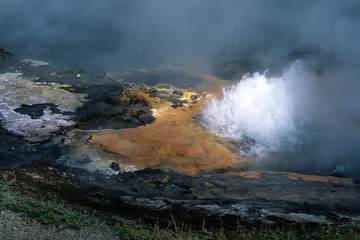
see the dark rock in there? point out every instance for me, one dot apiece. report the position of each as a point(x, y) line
point(161, 180)
point(115, 107)
point(99, 194)
point(99, 178)
point(177, 105)
point(88, 140)
point(114, 100)
point(4, 53)
point(83, 159)
point(146, 118)
point(115, 166)
point(138, 186)
point(178, 92)
point(270, 199)
point(195, 97)
point(15, 151)
point(139, 100)
point(36, 110)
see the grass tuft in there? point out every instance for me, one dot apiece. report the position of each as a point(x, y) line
point(47, 212)
point(59, 214)
point(136, 229)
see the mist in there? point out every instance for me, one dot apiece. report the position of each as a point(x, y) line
point(98, 35)
point(109, 34)
point(298, 121)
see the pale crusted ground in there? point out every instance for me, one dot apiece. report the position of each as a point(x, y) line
point(16, 90)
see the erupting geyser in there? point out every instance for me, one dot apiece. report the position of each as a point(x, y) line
point(279, 122)
point(264, 109)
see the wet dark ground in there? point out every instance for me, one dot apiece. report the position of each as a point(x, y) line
point(270, 199)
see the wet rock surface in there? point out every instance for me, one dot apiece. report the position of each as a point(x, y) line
point(4, 53)
point(73, 106)
point(35, 111)
point(266, 198)
point(14, 151)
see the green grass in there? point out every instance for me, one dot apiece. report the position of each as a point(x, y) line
point(4, 186)
point(59, 214)
point(48, 212)
point(38, 210)
point(137, 229)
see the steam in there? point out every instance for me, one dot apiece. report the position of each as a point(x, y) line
point(268, 110)
point(101, 35)
point(291, 122)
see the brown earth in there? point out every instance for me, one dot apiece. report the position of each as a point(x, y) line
point(175, 141)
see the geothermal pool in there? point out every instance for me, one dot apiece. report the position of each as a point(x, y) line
point(259, 122)
point(232, 111)
point(268, 102)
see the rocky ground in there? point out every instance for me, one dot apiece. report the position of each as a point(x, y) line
point(86, 138)
point(250, 198)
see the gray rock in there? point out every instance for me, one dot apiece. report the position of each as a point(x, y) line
point(115, 166)
point(4, 53)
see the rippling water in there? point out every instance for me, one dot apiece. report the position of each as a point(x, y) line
point(94, 36)
point(90, 45)
point(102, 35)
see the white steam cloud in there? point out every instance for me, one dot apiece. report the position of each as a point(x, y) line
point(266, 109)
point(99, 35)
point(287, 122)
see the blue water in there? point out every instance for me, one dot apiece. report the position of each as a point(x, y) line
point(63, 34)
point(103, 35)
point(99, 35)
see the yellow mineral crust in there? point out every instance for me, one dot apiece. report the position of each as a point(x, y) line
point(175, 141)
point(292, 176)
